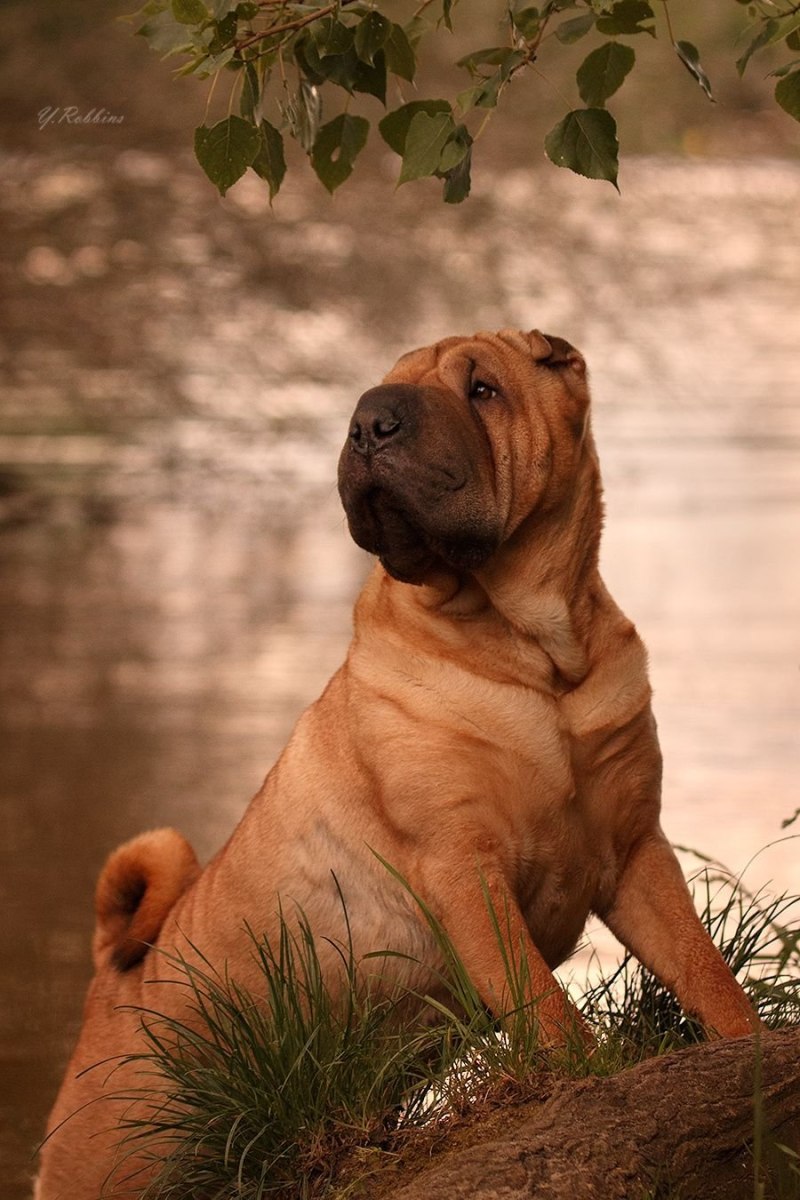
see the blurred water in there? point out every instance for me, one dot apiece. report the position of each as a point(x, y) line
point(176, 578)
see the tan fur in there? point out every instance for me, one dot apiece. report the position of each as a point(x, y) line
point(138, 886)
point(490, 726)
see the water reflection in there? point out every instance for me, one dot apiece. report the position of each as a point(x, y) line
point(176, 579)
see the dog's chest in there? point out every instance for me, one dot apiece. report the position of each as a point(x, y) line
point(568, 797)
point(563, 868)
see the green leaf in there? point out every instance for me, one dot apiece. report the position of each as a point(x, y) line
point(332, 37)
point(457, 182)
point(400, 57)
point(527, 21)
point(789, 28)
point(210, 64)
point(165, 35)
point(345, 69)
point(470, 98)
point(690, 57)
point(627, 16)
point(308, 60)
point(251, 92)
point(455, 150)
point(416, 29)
point(371, 79)
point(395, 125)
point(486, 92)
point(426, 139)
point(787, 93)
point(772, 30)
point(494, 56)
point(195, 65)
point(574, 29)
point(371, 36)
point(765, 35)
point(270, 163)
point(336, 147)
point(189, 12)
point(586, 142)
point(779, 72)
point(224, 33)
point(226, 150)
point(603, 71)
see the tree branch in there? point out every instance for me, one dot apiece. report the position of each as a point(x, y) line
point(679, 1124)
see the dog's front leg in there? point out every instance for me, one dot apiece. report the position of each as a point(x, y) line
point(484, 923)
point(653, 916)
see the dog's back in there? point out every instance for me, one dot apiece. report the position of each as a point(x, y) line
point(138, 887)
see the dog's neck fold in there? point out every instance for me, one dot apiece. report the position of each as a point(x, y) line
point(544, 580)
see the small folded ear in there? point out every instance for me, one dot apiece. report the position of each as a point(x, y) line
point(540, 345)
point(555, 351)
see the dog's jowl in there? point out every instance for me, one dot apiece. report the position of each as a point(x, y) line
point(489, 734)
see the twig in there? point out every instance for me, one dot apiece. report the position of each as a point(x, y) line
point(670, 33)
point(292, 26)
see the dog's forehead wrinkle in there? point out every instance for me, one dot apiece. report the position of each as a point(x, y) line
point(456, 357)
point(515, 338)
point(469, 361)
point(409, 365)
point(499, 341)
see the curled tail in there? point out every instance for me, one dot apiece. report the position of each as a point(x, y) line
point(138, 885)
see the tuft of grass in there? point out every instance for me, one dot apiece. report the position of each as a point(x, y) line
point(759, 938)
point(258, 1096)
point(317, 1082)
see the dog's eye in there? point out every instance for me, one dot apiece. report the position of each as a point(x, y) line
point(481, 391)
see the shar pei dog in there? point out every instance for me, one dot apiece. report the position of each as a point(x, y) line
point(489, 735)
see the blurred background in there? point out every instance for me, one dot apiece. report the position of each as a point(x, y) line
point(177, 372)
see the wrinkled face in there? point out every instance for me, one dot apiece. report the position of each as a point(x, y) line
point(460, 443)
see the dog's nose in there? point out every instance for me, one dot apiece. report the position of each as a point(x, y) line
point(381, 416)
point(370, 431)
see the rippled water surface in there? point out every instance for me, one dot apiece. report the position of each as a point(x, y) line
point(176, 577)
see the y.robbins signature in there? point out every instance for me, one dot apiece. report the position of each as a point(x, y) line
point(55, 115)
